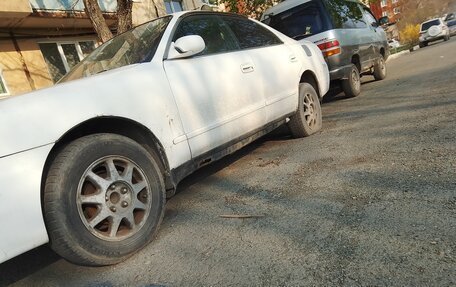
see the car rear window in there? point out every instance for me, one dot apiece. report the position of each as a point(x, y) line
point(301, 21)
point(427, 25)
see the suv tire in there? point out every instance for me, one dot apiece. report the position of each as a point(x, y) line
point(352, 85)
point(380, 69)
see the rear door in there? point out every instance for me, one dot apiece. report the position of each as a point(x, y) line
point(277, 65)
point(216, 91)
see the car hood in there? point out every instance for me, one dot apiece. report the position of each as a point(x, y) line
point(41, 117)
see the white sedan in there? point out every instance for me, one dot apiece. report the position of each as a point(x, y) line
point(87, 164)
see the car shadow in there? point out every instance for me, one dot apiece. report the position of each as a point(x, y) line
point(26, 264)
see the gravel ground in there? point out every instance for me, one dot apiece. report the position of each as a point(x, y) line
point(371, 200)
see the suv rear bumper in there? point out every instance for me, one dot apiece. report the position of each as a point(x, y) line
point(340, 73)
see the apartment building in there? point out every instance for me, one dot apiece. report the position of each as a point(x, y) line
point(41, 40)
point(389, 8)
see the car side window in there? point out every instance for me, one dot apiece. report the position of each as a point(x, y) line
point(346, 14)
point(370, 19)
point(217, 37)
point(250, 34)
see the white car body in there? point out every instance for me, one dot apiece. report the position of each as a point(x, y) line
point(191, 106)
point(393, 44)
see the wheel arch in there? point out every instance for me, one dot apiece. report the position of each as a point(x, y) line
point(355, 59)
point(115, 125)
point(383, 52)
point(309, 77)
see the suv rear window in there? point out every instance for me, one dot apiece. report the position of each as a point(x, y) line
point(301, 21)
point(427, 25)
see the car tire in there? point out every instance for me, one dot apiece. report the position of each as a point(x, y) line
point(352, 85)
point(380, 69)
point(308, 119)
point(104, 199)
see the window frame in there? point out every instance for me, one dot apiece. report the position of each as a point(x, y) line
point(383, 3)
point(181, 18)
point(59, 44)
point(172, 7)
point(7, 91)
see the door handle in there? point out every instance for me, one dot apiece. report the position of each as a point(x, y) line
point(293, 58)
point(247, 68)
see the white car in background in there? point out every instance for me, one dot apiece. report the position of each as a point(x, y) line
point(394, 44)
point(433, 30)
point(87, 164)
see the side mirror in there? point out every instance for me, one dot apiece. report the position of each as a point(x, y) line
point(383, 21)
point(186, 46)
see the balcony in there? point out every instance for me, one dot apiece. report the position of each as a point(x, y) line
point(15, 9)
point(108, 6)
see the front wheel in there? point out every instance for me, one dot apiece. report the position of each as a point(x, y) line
point(308, 119)
point(103, 199)
point(380, 69)
point(352, 85)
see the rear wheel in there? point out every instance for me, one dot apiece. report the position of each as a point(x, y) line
point(308, 119)
point(352, 85)
point(103, 200)
point(380, 69)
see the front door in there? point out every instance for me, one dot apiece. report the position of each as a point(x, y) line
point(215, 91)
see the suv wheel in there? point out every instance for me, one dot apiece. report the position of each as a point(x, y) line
point(380, 69)
point(352, 85)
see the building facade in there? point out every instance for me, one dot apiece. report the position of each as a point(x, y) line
point(389, 8)
point(41, 40)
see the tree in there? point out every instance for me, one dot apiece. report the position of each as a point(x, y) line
point(416, 11)
point(251, 8)
point(124, 18)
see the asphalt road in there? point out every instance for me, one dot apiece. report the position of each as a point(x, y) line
point(371, 200)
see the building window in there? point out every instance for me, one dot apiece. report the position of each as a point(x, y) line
point(60, 57)
point(395, 1)
point(385, 14)
point(383, 3)
point(3, 88)
point(173, 6)
point(397, 10)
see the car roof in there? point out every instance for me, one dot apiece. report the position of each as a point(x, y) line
point(289, 4)
point(205, 12)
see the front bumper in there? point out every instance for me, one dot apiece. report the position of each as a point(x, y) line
point(21, 216)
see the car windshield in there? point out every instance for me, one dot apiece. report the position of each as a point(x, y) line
point(427, 25)
point(134, 46)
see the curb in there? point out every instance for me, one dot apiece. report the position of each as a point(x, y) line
point(397, 55)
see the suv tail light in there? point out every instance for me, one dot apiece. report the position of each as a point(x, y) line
point(330, 48)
